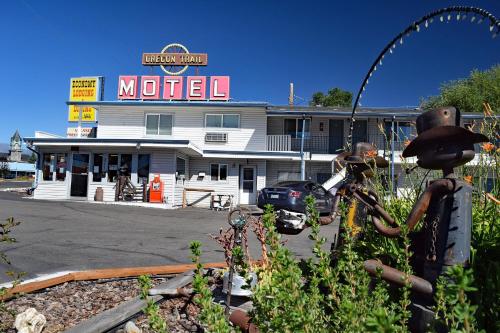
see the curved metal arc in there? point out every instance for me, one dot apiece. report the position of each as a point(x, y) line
point(415, 27)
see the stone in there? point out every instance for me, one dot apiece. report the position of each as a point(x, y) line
point(130, 327)
point(30, 321)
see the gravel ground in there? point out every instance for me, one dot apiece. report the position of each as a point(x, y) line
point(67, 304)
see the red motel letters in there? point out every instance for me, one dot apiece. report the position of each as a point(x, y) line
point(149, 88)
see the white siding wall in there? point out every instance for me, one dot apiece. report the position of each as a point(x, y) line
point(163, 163)
point(180, 184)
point(129, 122)
point(230, 186)
point(48, 190)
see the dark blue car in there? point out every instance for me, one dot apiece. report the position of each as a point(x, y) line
point(288, 199)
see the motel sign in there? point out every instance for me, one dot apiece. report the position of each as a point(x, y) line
point(191, 88)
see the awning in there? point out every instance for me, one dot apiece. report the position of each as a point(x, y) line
point(184, 146)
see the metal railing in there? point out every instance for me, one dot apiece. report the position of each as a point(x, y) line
point(324, 144)
point(279, 143)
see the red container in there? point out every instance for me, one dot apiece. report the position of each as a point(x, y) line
point(156, 189)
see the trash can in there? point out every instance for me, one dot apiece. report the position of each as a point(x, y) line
point(99, 194)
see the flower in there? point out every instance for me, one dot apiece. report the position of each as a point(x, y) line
point(488, 147)
point(371, 153)
point(468, 179)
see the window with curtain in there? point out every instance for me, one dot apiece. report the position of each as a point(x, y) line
point(159, 124)
point(293, 127)
point(218, 171)
point(222, 120)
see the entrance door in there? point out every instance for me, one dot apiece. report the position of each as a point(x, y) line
point(79, 175)
point(248, 192)
point(336, 136)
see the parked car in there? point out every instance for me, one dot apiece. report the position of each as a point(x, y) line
point(288, 199)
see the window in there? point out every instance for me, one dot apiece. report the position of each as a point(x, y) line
point(293, 127)
point(112, 167)
point(402, 130)
point(125, 164)
point(97, 169)
point(222, 120)
point(218, 171)
point(359, 132)
point(181, 167)
point(61, 167)
point(288, 175)
point(48, 166)
point(158, 124)
point(142, 168)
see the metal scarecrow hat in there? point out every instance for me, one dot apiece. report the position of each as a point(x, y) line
point(440, 125)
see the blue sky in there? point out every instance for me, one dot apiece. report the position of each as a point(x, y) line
point(262, 45)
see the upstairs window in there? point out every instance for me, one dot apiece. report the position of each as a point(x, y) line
point(293, 127)
point(360, 131)
point(402, 130)
point(222, 120)
point(158, 124)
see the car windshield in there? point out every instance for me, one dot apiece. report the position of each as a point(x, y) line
point(290, 184)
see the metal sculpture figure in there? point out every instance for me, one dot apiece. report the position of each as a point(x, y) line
point(237, 218)
point(442, 144)
point(360, 165)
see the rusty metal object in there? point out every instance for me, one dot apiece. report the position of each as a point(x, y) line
point(237, 218)
point(241, 319)
point(397, 277)
point(439, 187)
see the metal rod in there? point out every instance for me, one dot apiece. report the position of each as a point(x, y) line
point(302, 160)
point(393, 134)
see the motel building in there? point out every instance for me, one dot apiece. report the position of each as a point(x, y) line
point(202, 144)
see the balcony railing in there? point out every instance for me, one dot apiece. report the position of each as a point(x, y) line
point(279, 143)
point(323, 144)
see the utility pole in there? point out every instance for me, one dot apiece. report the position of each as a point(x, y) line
point(290, 95)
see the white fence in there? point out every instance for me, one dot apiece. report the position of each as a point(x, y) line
point(279, 142)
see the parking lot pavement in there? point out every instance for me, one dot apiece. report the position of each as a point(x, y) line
point(60, 236)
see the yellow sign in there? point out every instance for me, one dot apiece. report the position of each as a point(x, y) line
point(84, 89)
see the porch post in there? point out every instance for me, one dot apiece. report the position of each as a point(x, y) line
point(302, 160)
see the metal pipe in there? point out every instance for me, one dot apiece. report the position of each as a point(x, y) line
point(397, 277)
point(302, 160)
point(393, 187)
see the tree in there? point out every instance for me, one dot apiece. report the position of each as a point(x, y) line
point(469, 94)
point(336, 97)
point(4, 169)
point(32, 158)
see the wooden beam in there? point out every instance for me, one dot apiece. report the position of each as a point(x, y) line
point(107, 273)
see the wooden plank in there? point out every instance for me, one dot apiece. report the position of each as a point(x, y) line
point(170, 287)
point(108, 319)
point(34, 286)
point(136, 271)
point(198, 190)
point(107, 273)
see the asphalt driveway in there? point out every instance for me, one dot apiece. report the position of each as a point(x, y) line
point(59, 236)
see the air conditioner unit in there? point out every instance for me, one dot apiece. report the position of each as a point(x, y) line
point(216, 137)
